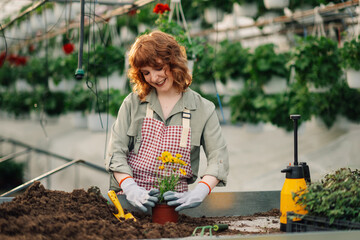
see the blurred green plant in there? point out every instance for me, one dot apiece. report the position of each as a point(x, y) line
point(11, 175)
point(317, 61)
point(265, 63)
point(350, 54)
point(231, 61)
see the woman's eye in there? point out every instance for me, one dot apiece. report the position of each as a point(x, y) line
point(159, 69)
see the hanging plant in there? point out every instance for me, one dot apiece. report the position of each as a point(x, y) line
point(350, 61)
point(78, 99)
point(231, 61)
point(248, 106)
point(265, 63)
point(7, 74)
point(350, 54)
point(115, 101)
point(317, 61)
point(35, 73)
point(105, 60)
point(203, 66)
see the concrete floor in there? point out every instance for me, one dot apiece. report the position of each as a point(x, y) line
point(257, 155)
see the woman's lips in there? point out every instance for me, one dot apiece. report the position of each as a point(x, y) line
point(161, 83)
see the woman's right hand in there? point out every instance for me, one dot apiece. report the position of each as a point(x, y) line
point(138, 196)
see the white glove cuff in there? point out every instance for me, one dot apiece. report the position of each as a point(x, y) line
point(127, 183)
point(202, 189)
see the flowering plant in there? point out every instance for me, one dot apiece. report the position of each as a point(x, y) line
point(161, 8)
point(169, 172)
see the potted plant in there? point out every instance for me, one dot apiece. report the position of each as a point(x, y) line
point(328, 105)
point(230, 65)
point(61, 72)
point(116, 99)
point(268, 69)
point(98, 118)
point(17, 103)
point(203, 73)
point(35, 72)
point(77, 102)
point(51, 103)
point(350, 59)
point(170, 168)
point(334, 201)
point(249, 107)
point(317, 63)
point(7, 74)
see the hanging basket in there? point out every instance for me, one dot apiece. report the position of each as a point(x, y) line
point(353, 78)
point(276, 4)
point(163, 213)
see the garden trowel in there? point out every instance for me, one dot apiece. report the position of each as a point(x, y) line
point(120, 215)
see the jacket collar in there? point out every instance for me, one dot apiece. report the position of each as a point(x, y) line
point(186, 101)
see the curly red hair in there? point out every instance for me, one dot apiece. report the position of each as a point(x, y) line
point(156, 49)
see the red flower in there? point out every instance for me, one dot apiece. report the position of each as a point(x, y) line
point(17, 60)
point(68, 48)
point(20, 61)
point(161, 8)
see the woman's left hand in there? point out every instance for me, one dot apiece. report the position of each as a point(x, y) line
point(188, 199)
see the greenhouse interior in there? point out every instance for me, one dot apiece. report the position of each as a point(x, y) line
point(283, 77)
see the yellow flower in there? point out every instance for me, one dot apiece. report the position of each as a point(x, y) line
point(183, 172)
point(161, 167)
point(178, 155)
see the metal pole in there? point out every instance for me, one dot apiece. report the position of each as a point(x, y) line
point(79, 73)
point(295, 118)
point(28, 183)
point(13, 155)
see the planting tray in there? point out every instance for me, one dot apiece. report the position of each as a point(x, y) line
point(313, 223)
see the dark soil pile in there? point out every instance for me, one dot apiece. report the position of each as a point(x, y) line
point(45, 214)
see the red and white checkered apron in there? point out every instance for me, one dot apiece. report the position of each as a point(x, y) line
point(156, 138)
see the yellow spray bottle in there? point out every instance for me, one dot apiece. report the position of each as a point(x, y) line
point(296, 178)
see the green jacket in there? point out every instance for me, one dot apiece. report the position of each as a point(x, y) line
point(205, 131)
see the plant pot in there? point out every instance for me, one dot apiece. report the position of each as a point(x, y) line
point(245, 9)
point(353, 78)
point(163, 213)
point(276, 4)
point(63, 86)
point(213, 15)
point(275, 85)
point(79, 119)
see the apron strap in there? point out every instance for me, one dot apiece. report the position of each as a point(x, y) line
point(149, 111)
point(186, 115)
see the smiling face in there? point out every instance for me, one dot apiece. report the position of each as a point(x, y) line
point(159, 78)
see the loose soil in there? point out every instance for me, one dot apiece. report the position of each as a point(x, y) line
point(46, 214)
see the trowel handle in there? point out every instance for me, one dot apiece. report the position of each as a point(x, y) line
point(295, 118)
point(219, 227)
point(113, 197)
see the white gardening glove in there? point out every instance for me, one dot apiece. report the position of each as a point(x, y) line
point(188, 199)
point(138, 196)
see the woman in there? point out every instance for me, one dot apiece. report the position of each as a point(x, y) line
point(164, 114)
